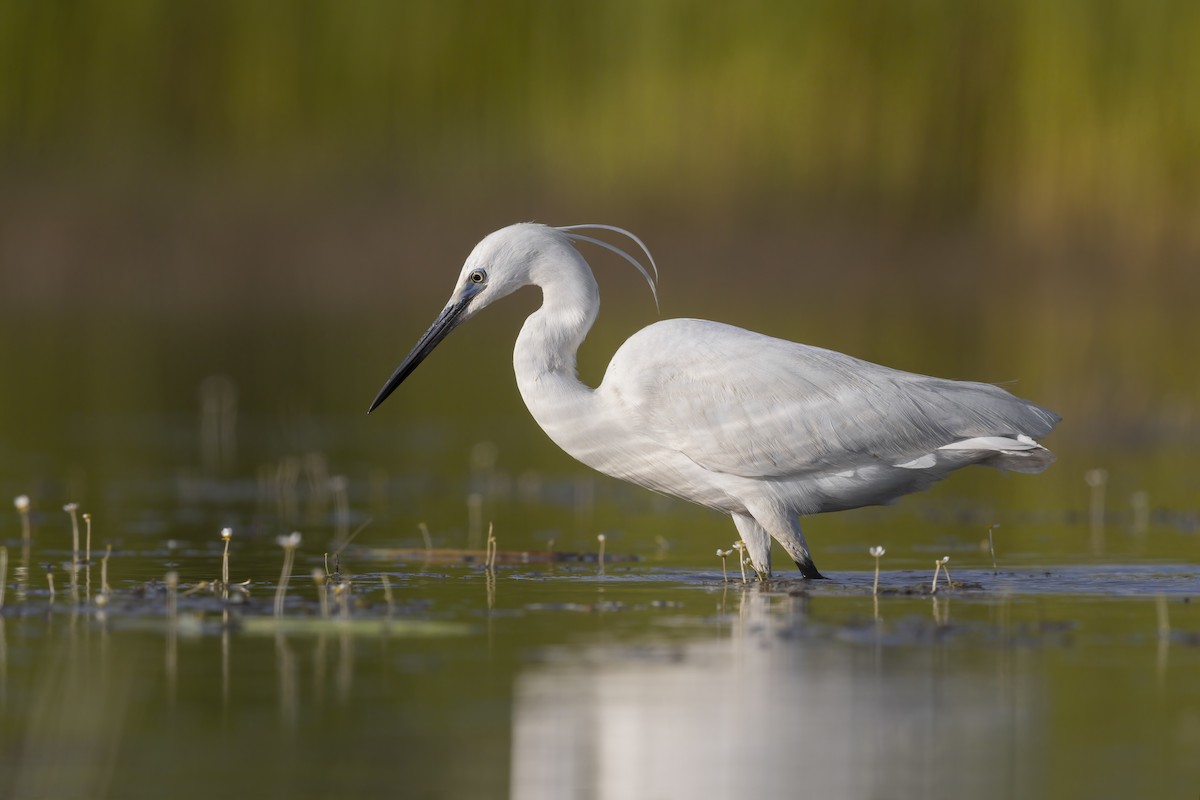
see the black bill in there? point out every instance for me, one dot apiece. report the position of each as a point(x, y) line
point(447, 321)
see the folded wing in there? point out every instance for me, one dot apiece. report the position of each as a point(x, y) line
point(742, 403)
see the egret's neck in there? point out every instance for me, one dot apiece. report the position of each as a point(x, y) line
point(544, 357)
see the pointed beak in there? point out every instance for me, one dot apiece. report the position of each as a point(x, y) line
point(447, 321)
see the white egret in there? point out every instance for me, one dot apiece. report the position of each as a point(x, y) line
point(762, 429)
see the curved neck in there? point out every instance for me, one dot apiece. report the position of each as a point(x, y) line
point(544, 357)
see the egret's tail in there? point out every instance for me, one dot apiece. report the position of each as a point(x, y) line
point(1021, 454)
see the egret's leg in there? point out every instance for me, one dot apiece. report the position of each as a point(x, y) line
point(758, 543)
point(785, 527)
point(797, 548)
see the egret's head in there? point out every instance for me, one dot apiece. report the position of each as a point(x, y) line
point(510, 258)
point(507, 260)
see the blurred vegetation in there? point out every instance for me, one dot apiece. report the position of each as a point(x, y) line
point(1028, 112)
point(282, 189)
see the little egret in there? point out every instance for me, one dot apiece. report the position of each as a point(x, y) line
point(762, 429)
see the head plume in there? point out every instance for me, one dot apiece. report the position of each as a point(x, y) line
point(569, 230)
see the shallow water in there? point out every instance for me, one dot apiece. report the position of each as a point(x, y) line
point(1067, 669)
point(635, 680)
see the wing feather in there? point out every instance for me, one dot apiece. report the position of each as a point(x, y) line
point(742, 403)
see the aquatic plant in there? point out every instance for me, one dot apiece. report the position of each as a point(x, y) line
point(341, 594)
point(227, 535)
point(171, 579)
point(600, 557)
point(387, 593)
point(941, 616)
point(72, 508)
point(289, 544)
point(992, 544)
point(87, 554)
point(104, 588)
point(339, 543)
point(489, 558)
point(723, 555)
point(938, 566)
point(21, 502)
point(877, 553)
point(741, 548)
point(321, 579)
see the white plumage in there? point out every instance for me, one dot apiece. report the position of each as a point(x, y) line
point(762, 429)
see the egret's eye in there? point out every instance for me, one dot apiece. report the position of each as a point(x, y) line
point(478, 276)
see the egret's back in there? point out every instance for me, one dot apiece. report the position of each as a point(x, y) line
point(741, 403)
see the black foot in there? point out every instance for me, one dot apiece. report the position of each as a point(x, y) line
point(809, 570)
